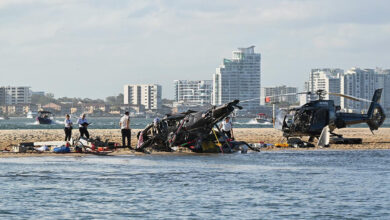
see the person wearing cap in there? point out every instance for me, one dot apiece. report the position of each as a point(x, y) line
point(124, 123)
point(227, 128)
point(83, 126)
point(68, 128)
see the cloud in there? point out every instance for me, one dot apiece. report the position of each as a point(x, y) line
point(140, 41)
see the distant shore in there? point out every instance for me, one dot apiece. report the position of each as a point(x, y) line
point(8, 138)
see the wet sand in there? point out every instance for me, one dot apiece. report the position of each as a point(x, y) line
point(8, 138)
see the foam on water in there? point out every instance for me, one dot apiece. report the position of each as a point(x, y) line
point(59, 122)
point(253, 122)
point(32, 123)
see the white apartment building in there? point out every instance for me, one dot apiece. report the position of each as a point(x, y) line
point(148, 95)
point(328, 79)
point(280, 94)
point(12, 95)
point(386, 90)
point(362, 83)
point(196, 92)
point(238, 78)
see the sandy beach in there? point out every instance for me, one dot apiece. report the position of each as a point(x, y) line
point(380, 140)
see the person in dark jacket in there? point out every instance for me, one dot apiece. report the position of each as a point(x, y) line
point(83, 126)
point(68, 128)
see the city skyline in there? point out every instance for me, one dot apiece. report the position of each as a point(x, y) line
point(91, 48)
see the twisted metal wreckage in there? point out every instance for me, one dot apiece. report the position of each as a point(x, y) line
point(197, 131)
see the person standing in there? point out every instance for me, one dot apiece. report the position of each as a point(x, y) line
point(68, 128)
point(83, 126)
point(227, 128)
point(124, 123)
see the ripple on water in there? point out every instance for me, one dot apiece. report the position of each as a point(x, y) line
point(304, 185)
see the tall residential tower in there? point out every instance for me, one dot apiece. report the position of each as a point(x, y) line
point(362, 83)
point(147, 95)
point(11, 95)
point(197, 92)
point(238, 78)
point(328, 79)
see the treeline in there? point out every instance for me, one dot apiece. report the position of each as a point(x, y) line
point(49, 98)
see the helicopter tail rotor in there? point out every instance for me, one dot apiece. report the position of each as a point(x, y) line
point(375, 113)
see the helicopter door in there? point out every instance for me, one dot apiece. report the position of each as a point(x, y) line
point(320, 120)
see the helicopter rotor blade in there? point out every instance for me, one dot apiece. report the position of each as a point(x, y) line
point(287, 94)
point(268, 98)
point(350, 97)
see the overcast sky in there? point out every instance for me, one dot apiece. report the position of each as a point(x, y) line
point(79, 48)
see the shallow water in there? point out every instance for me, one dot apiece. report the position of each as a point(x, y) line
point(266, 185)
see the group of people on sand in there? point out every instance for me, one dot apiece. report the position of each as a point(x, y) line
point(226, 126)
point(83, 127)
point(83, 124)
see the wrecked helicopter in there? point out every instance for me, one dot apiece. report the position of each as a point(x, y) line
point(194, 130)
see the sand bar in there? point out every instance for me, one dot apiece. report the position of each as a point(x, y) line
point(380, 140)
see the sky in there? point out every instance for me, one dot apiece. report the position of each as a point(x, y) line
point(91, 48)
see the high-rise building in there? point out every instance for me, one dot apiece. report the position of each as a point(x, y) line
point(147, 95)
point(11, 95)
point(2, 95)
point(362, 83)
point(328, 79)
point(283, 94)
point(197, 92)
point(238, 78)
point(386, 90)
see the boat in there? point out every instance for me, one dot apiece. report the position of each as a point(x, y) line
point(262, 118)
point(45, 117)
point(31, 114)
point(5, 117)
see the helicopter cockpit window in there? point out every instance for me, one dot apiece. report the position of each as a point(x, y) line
point(289, 119)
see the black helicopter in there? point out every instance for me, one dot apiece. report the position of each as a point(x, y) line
point(321, 116)
point(197, 131)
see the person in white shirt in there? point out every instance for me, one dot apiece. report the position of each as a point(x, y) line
point(124, 123)
point(83, 126)
point(68, 128)
point(227, 128)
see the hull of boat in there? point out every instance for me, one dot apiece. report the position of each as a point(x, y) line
point(44, 121)
point(261, 120)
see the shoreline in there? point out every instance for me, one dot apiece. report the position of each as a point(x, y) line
point(379, 141)
point(129, 153)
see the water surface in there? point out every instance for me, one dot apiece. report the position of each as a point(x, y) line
point(265, 185)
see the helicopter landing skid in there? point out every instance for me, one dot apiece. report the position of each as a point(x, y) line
point(337, 135)
point(341, 140)
point(299, 143)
